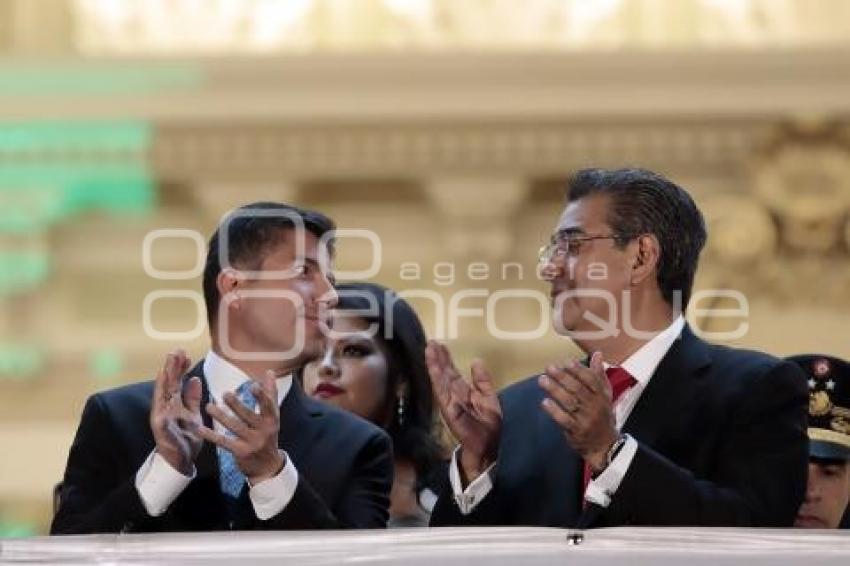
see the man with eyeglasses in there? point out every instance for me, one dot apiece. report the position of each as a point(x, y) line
point(656, 427)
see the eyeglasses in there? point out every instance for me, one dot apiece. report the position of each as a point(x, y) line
point(563, 245)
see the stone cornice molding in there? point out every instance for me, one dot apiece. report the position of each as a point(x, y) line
point(410, 150)
point(387, 87)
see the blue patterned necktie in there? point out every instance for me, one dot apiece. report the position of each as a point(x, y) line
point(230, 477)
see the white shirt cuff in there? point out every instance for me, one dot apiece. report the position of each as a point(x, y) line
point(159, 484)
point(271, 496)
point(601, 489)
point(467, 499)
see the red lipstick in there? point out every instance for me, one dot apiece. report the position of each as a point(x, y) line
point(327, 390)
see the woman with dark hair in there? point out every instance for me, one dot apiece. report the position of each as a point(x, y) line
point(374, 366)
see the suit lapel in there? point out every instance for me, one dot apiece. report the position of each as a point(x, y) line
point(670, 390)
point(297, 427)
point(201, 505)
point(207, 463)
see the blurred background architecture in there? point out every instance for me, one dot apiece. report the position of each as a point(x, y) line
point(445, 126)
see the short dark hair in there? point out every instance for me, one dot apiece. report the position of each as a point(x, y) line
point(249, 238)
point(645, 202)
point(399, 329)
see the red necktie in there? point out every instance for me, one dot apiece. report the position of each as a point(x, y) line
point(620, 381)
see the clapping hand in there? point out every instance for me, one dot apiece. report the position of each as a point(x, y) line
point(471, 410)
point(579, 400)
point(176, 413)
point(254, 436)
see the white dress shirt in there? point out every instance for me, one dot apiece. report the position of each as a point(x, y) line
point(641, 365)
point(159, 484)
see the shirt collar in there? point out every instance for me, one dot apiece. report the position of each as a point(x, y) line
point(642, 364)
point(222, 376)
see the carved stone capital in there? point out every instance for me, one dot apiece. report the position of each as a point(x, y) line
point(808, 187)
point(741, 230)
point(477, 213)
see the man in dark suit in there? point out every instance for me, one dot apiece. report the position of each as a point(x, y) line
point(659, 427)
point(234, 444)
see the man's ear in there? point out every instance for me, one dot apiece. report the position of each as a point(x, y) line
point(646, 257)
point(228, 283)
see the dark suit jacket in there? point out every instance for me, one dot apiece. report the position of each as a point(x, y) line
point(722, 442)
point(345, 470)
